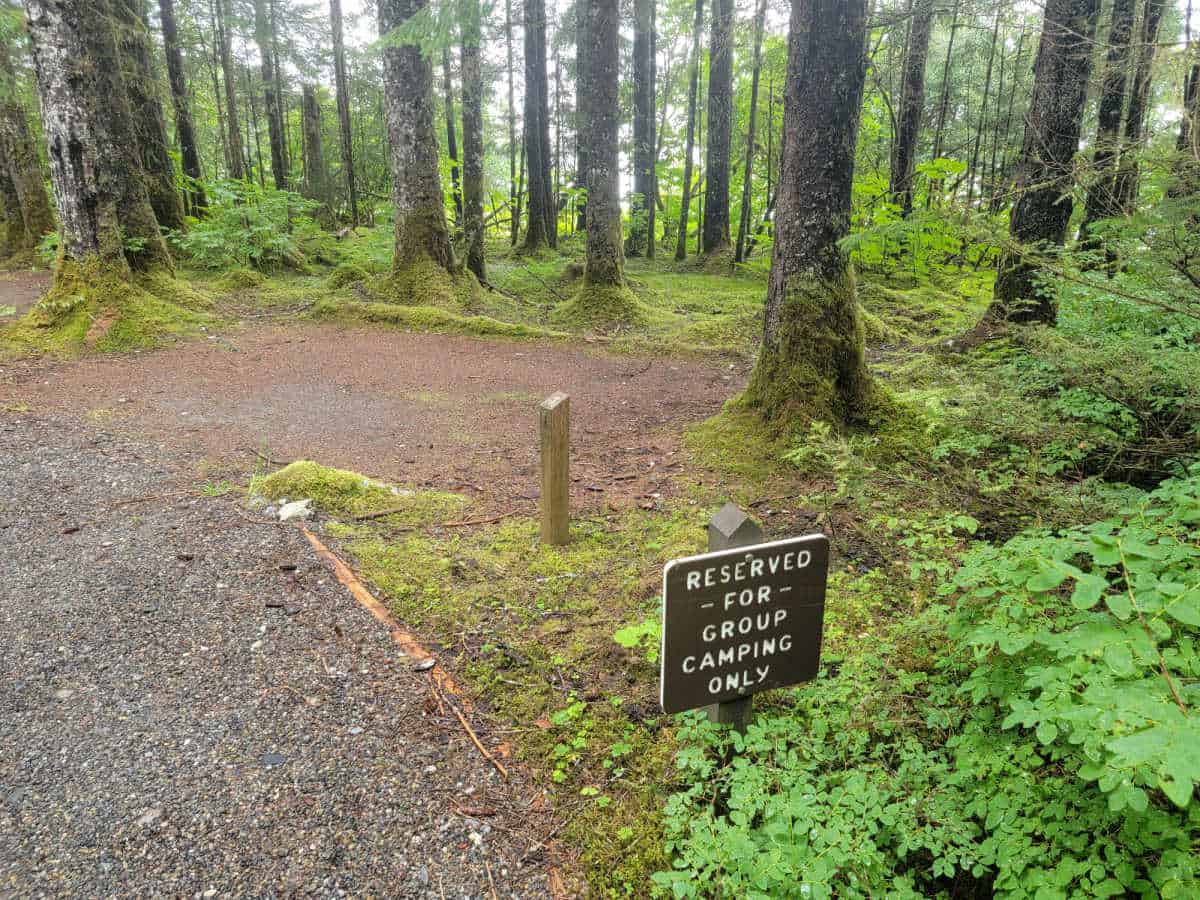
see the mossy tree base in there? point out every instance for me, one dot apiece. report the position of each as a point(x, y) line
point(812, 366)
point(425, 282)
point(601, 306)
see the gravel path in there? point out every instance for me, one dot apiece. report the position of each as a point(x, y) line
point(191, 706)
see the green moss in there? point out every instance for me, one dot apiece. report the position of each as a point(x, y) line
point(601, 306)
point(346, 274)
point(339, 492)
point(240, 279)
point(877, 332)
point(425, 283)
point(427, 318)
point(737, 442)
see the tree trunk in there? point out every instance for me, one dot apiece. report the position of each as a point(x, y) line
point(103, 206)
point(1045, 171)
point(13, 236)
point(912, 107)
point(513, 204)
point(581, 95)
point(451, 137)
point(472, 130)
point(690, 144)
point(939, 131)
point(643, 126)
point(748, 173)
point(184, 130)
point(150, 130)
point(421, 235)
point(542, 228)
point(720, 124)
point(343, 107)
point(973, 168)
point(812, 362)
point(997, 195)
point(652, 172)
point(1126, 189)
point(237, 164)
point(271, 105)
point(316, 174)
point(1101, 196)
point(25, 203)
point(604, 262)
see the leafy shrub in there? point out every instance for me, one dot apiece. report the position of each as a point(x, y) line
point(1037, 739)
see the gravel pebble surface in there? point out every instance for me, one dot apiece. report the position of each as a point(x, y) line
point(192, 706)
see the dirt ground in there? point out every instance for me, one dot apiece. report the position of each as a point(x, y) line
point(20, 290)
point(440, 411)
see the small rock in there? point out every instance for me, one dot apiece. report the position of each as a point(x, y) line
point(149, 816)
point(292, 610)
point(423, 875)
point(429, 770)
point(426, 664)
point(64, 693)
point(356, 730)
point(275, 603)
point(297, 509)
point(272, 759)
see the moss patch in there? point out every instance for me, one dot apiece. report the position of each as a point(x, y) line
point(425, 283)
point(338, 492)
point(601, 306)
point(240, 279)
point(429, 319)
point(346, 274)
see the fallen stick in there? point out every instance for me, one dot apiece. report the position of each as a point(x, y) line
point(462, 720)
point(384, 513)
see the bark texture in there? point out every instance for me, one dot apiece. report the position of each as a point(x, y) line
point(26, 206)
point(643, 126)
point(581, 96)
point(605, 259)
point(1126, 189)
point(541, 215)
point(236, 159)
point(185, 131)
point(264, 37)
point(104, 209)
point(912, 106)
point(150, 129)
point(690, 143)
point(720, 124)
point(316, 172)
point(342, 84)
point(748, 169)
point(421, 235)
point(1045, 173)
point(812, 363)
point(451, 137)
point(12, 226)
point(514, 202)
point(472, 131)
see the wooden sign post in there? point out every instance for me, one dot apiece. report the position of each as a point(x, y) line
point(555, 423)
point(745, 617)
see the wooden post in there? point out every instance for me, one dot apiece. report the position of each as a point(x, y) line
point(730, 528)
point(555, 418)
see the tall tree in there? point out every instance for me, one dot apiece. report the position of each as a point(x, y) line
point(1101, 196)
point(185, 131)
point(140, 78)
point(237, 162)
point(421, 235)
point(103, 206)
point(13, 236)
point(973, 173)
point(581, 95)
point(748, 169)
point(264, 37)
point(342, 84)
point(451, 136)
point(1139, 101)
point(720, 125)
point(912, 106)
point(690, 143)
point(316, 172)
point(26, 206)
point(643, 126)
point(471, 28)
point(812, 360)
point(542, 217)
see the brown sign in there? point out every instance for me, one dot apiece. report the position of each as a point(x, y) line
point(740, 621)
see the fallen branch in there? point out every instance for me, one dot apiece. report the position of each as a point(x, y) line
point(462, 720)
point(384, 513)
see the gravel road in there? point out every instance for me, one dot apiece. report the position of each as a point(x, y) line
point(192, 706)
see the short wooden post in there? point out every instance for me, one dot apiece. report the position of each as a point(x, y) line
point(555, 419)
point(728, 529)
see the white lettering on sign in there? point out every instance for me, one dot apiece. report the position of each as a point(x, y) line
point(728, 656)
point(751, 567)
point(738, 681)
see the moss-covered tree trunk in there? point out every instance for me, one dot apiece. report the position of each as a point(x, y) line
point(541, 216)
point(472, 132)
point(421, 235)
point(27, 207)
point(605, 257)
point(720, 125)
point(1101, 196)
point(103, 206)
point(235, 152)
point(689, 150)
point(912, 106)
point(811, 363)
point(643, 126)
point(140, 77)
point(12, 226)
point(1126, 188)
point(1045, 172)
point(273, 109)
point(185, 131)
point(316, 172)
point(342, 85)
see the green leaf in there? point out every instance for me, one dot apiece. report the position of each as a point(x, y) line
point(1119, 658)
point(1047, 732)
point(1186, 608)
point(1047, 578)
point(1119, 605)
point(1088, 591)
point(1178, 792)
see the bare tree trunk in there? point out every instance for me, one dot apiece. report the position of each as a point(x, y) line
point(997, 195)
point(237, 164)
point(271, 106)
point(604, 262)
point(343, 107)
point(720, 125)
point(103, 206)
point(748, 173)
point(150, 130)
point(812, 362)
point(581, 94)
point(542, 217)
point(690, 145)
point(316, 173)
point(25, 203)
point(973, 169)
point(472, 129)
point(1101, 196)
point(451, 137)
point(1126, 189)
point(912, 107)
point(643, 126)
point(421, 235)
point(195, 201)
point(1045, 173)
point(513, 203)
point(652, 173)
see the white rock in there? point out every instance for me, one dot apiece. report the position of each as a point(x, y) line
point(297, 509)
